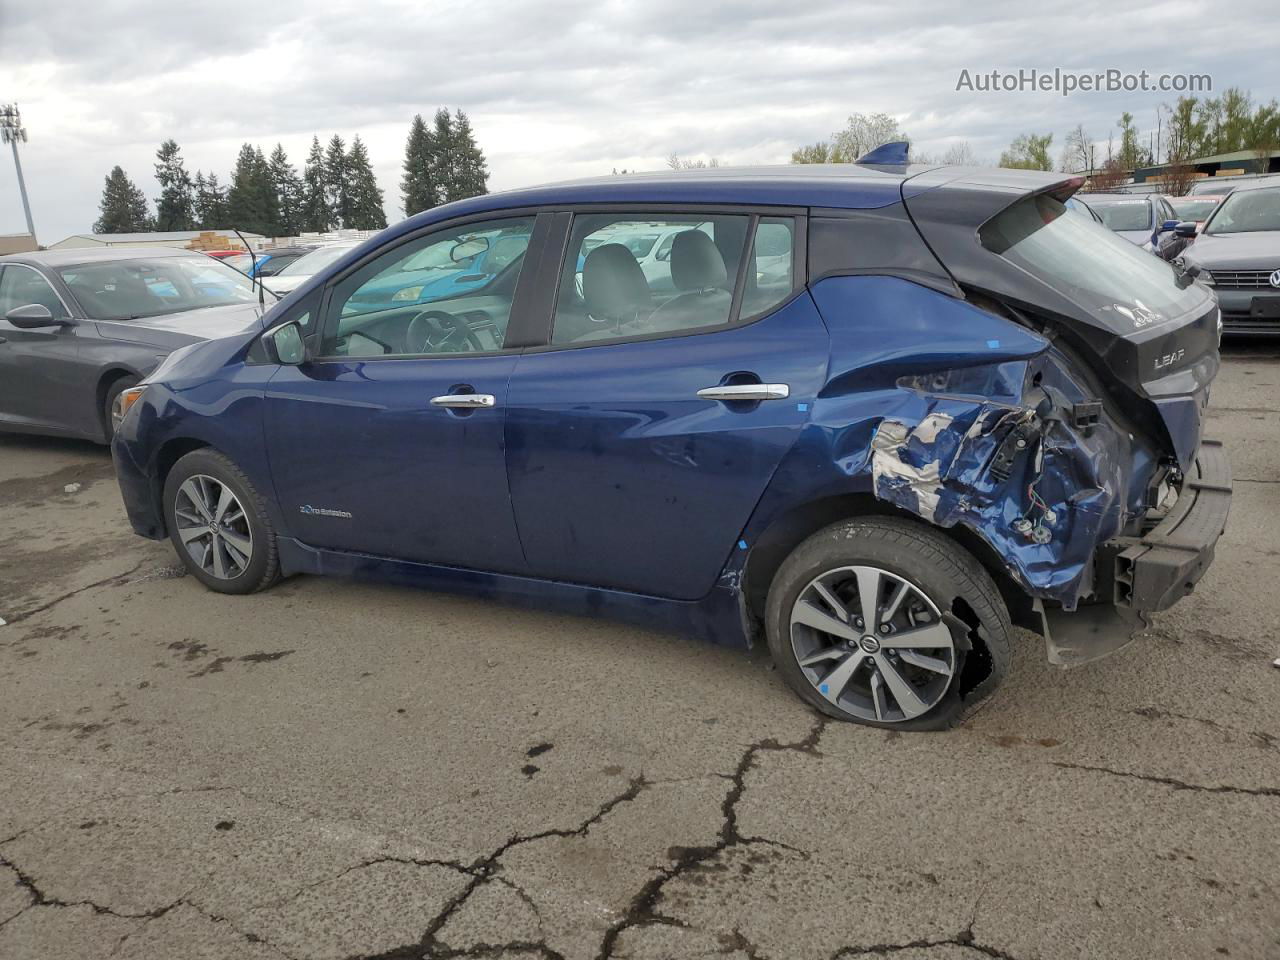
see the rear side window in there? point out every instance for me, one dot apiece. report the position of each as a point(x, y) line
point(629, 276)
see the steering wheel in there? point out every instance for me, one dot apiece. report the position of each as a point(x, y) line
point(436, 331)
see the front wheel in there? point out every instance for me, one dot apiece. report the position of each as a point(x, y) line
point(218, 524)
point(886, 622)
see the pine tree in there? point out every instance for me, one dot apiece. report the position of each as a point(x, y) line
point(175, 207)
point(419, 190)
point(337, 181)
point(471, 174)
point(443, 158)
point(123, 206)
point(363, 192)
point(289, 192)
point(317, 215)
point(265, 186)
point(251, 201)
point(210, 202)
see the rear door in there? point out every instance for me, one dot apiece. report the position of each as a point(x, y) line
point(390, 441)
point(642, 434)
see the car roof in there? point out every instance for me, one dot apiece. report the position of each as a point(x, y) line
point(832, 186)
point(81, 255)
point(1262, 183)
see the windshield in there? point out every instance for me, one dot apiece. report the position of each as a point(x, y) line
point(1123, 214)
point(135, 289)
point(1087, 263)
point(1193, 209)
point(241, 261)
point(1247, 211)
point(316, 260)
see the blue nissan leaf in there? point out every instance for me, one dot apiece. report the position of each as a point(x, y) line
point(871, 415)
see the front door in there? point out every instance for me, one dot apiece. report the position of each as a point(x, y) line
point(641, 440)
point(38, 369)
point(390, 442)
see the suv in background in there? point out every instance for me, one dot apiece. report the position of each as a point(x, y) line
point(882, 414)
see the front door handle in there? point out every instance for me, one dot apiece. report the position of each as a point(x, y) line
point(469, 401)
point(746, 392)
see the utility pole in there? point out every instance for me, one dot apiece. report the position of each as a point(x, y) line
point(11, 132)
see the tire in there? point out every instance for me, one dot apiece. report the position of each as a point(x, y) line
point(859, 674)
point(241, 557)
point(109, 403)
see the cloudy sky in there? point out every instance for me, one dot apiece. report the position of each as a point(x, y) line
point(563, 88)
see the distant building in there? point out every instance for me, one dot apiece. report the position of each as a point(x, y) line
point(1239, 163)
point(17, 243)
point(184, 239)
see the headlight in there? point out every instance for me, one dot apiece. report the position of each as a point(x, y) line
point(1205, 277)
point(125, 401)
point(408, 293)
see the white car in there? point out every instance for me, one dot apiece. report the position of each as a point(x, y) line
point(298, 272)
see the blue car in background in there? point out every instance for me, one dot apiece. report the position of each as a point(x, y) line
point(267, 263)
point(881, 414)
point(1143, 219)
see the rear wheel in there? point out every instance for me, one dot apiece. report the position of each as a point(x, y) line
point(218, 524)
point(886, 622)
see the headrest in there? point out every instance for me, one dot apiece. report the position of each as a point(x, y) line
point(696, 263)
point(613, 285)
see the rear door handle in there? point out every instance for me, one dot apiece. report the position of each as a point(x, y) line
point(746, 391)
point(468, 401)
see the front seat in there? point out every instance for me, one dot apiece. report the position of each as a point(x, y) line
point(615, 292)
point(697, 269)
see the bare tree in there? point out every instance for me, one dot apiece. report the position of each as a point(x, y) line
point(1080, 153)
point(862, 133)
point(675, 162)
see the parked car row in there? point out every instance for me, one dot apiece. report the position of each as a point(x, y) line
point(870, 426)
point(1229, 241)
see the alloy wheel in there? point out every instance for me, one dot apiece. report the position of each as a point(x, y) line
point(872, 643)
point(213, 527)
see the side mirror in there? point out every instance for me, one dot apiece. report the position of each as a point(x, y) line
point(33, 316)
point(1187, 228)
point(286, 343)
point(1167, 226)
point(663, 254)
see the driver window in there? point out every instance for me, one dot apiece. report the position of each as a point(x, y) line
point(445, 293)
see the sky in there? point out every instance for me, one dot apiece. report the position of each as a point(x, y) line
point(558, 89)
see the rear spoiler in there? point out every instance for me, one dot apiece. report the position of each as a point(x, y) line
point(1001, 187)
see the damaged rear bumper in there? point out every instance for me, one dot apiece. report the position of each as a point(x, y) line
point(1144, 574)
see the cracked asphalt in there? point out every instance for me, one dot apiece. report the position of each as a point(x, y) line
point(343, 770)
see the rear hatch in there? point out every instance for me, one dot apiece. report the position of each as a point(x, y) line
point(1149, 331)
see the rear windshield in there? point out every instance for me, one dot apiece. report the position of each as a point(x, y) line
point(1212, 186)
point(1193, 209)
point(1089, 264)
point(1124, 214)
